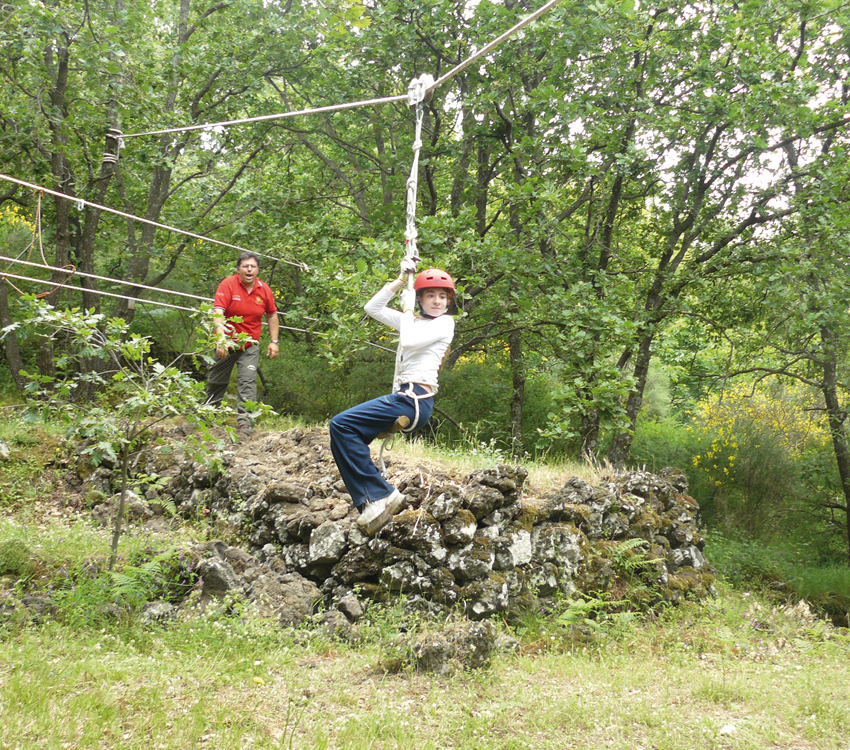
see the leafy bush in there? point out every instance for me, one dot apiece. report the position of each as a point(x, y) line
point(662, 443)
point(129, 391)
point(745, 561)
point(476, 393)
point(301, 382)
point(750, 475)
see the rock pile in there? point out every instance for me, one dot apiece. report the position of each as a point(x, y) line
point(475, 544)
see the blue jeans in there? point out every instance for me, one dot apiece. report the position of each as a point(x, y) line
point(353, 430)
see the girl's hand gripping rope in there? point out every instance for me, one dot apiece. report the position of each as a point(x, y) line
point(408, 265)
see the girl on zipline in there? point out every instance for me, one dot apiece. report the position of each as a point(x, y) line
point(423, 343)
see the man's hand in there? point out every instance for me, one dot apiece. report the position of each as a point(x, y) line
point(273, 350)
point(221, 346)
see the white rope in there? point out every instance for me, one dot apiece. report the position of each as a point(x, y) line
point(95, 291)
point(277, 116)
point(80, 202)
point(160, 304)
point(369, 102)
point(410, 233)
point(495, 43)
point(103, 278)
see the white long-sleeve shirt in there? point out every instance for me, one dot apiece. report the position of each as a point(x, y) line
point(422, 344)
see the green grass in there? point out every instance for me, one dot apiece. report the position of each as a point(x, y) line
point(734, 672)
point(222, 682)
point(543, 476)
point(785, 567)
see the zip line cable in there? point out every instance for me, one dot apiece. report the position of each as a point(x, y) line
point(154, 302)
point(276, 116)
point(369, 102)
point(495, 43)
point(82, 202)
point(104, 278)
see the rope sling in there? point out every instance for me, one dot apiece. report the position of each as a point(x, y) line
point(418, 95)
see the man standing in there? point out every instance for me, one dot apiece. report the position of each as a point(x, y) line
point(244, 296)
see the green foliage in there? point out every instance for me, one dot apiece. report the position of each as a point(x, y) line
point(132, 391)
point(91, 594)
point(18, 481)
point(302, 383)
point(476, 394)
point(662, 443)
point(151, 576)
point(580, 611)
point(629, 556)
point(16, 559)
point(783, 565)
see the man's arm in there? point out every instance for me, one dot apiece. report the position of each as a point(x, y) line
point(218, 321)
point(274, 330)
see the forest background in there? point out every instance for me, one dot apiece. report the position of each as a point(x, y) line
point(643, 205)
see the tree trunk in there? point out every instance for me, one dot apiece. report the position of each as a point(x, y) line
point(10, 343)
point(46, 366)
point(589, 433)
point(517, 393)
point(122, 501)
point(837, 416)
point(621, 445)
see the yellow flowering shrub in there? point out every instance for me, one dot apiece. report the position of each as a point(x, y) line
point(789, 417)
point(14, 217)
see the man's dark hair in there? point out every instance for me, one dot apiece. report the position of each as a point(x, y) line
point(245, 256)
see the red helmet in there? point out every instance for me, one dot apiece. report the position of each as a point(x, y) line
point(434, 278)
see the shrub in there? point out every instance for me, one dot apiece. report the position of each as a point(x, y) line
point(658, 444)
point(477, 395)
point(748, 474)
point(301, 382)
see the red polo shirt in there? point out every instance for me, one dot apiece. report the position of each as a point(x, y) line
point(233, 298)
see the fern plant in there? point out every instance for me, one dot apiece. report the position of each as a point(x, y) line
point(629, 562)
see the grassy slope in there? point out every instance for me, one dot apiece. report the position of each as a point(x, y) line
point(732, 673)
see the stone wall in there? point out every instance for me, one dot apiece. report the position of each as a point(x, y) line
point(480, 543)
